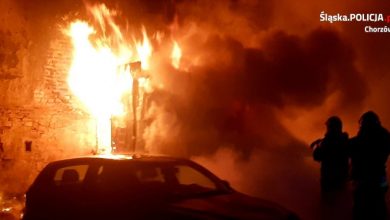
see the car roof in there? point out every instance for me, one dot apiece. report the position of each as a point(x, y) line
point(49, 170)
point(120, 157)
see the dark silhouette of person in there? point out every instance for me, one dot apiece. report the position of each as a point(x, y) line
point(332, 152)
point(369, 151)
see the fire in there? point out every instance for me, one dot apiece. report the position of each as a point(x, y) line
point(100, 75)
point(176, 55)
point(144, 50)
point(95, 76)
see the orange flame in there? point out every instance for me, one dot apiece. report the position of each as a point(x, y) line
point(176, 55)
point(99, 76)
point(144, 50)
point(94, 75)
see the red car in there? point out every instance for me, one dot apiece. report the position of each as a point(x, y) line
point(140, 187)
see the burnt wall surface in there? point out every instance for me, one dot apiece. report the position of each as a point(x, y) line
point(40, 119)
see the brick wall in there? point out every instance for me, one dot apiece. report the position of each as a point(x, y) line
point(52, 119)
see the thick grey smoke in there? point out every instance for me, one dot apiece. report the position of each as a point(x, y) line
point(229, 92)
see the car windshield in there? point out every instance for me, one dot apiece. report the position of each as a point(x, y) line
point(175, 180)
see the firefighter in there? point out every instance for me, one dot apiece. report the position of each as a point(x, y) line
point(369, 151)
point(332, 152)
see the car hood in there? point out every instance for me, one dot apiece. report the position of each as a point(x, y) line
point(234, 206)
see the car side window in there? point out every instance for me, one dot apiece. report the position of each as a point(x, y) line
point(70, 175)
point(188, 176)
point(150, 174)
point(115, 177)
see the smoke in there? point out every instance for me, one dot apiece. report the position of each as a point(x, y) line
point(251, 95)
point(247, 74)
point(228, 92)
point(257, 81)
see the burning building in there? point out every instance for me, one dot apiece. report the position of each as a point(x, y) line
point(255, 77)
point(79, 87)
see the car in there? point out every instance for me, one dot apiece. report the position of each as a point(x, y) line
point(140, 187)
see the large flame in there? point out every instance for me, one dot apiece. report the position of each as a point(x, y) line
point(100, 74)
point(97, 79)
point(144, 50)
point(95, 75)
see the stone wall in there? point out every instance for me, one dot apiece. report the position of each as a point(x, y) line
point(53, 135)
point(36, 105)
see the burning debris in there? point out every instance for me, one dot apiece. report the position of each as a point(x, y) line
point(11, 206)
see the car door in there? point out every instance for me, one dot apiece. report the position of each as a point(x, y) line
point(68, 190)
